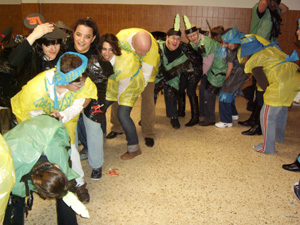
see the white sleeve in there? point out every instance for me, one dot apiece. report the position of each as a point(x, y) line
point(73, 110)
point(123, 84)
point(147, 71)
point(35, 113)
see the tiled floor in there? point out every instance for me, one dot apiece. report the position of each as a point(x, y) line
point(195, 175)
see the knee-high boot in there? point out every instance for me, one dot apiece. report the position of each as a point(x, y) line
point(194, 110)
point(181, 105)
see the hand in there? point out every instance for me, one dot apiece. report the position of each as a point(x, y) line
point(56, 114)
point(39, 31)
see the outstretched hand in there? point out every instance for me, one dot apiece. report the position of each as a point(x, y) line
point(56, 114)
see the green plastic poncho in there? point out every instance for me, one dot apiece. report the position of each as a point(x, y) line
point(7, 175)
point(32, 138)
point(126, 66)
point(219, 66)
point(34, 96)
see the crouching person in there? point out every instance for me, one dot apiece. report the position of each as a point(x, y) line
point(41, 161)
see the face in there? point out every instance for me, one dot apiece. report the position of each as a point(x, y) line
point(51, 50)
point(232, 46)
point(193, 37)
point(83, 38)
point(107, 51)
point(298, 33)
point(272, 5)
point(173, 42)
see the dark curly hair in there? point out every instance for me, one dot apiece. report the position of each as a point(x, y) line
point(113, 41)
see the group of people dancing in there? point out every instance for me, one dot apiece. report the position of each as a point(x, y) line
point(74, 77)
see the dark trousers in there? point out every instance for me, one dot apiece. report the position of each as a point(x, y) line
point(65, 215)
point(190, 87)
point(209, 106)
point(201, 94)
point(227, 110)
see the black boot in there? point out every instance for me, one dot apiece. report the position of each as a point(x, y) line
point(294, 167)
point(181, 105)
point(255, 129)
point(194, 111)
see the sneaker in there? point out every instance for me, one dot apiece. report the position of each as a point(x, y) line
point(223, 125)
point(259, 148)
point(96, 174)
point(235, 117)
point(83, 155)
point(296, 190)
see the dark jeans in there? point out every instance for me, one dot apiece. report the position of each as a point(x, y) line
point(209, 106)
point(127, 123)
point(227, 110)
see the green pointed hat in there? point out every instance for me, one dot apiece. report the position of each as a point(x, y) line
point(188, 27)
point(176, 29)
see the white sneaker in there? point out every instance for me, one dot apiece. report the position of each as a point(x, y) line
point(223, 125)
point(235, 117)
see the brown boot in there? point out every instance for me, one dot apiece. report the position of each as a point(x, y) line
point(83, 194)
point(131, 155)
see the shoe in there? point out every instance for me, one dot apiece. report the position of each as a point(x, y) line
point(205, 123)
point(223, 125)
point(294, 167)
point(83, 193)
point(113, 134)
point(247, 123)
point(259, 148)
point(96, 174)
point(296, 190)
point(149, 142)
point(255, 130)
point(235, 117)
point(83, 155)
point(192, 122)
point(131, 155)
point(175, 123)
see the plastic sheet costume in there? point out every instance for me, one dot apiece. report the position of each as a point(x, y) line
point(126, 67)
point(34, 96)
point(7, 174)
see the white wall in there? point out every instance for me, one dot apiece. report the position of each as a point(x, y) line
point(292, 4)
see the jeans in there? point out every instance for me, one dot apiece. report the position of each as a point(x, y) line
point(94, 139)
point(273, 122)
point(128, 126)
point(227, 110)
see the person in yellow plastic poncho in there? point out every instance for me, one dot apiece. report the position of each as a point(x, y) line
point(123, 87)
point(7, 174)
point(145, 49)
point(278, 76)
point(61, 91)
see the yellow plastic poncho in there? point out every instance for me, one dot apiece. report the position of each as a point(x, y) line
point(152, 57)
point(126, 66)
point(283, 78)
point(34, 96)
point(7, 175)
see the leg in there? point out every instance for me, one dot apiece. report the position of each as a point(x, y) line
point(95, 144)
point(225, 112)
point(148, 114)
point(14, 214)
point(181, 96)
point(281, 124)
point(191, 91)
point(116, 128)
point(201, 94)
point(128, 125)
point(171, 107)
point(65, 214)
point(209, 107)
point(268, 117)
